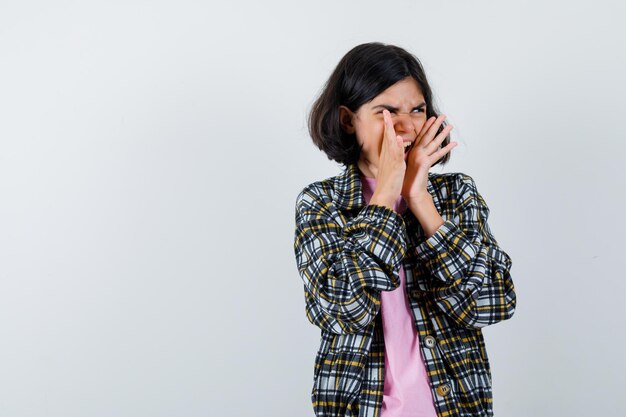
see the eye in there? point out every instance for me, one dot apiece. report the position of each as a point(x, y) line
point(416, 110)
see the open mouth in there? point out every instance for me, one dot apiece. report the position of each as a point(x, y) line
point(407, 146)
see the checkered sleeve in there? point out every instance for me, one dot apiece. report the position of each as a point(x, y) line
point(471, 281)
point(344, 267)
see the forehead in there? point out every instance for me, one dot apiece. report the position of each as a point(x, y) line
point(404, 90)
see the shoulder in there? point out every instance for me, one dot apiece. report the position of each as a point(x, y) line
point(316, 194)
point(457, 192)
point(452, 184)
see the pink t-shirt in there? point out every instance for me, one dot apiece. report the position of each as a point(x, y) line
point(407, 390)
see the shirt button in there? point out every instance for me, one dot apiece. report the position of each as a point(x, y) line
point(443, 389)
point(429, 341)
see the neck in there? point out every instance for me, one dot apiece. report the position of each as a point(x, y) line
point(368, 169)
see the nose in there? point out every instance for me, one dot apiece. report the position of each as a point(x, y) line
point(403, 123)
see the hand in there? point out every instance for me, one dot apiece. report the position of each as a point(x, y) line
point(422, 155)
point(391, 166)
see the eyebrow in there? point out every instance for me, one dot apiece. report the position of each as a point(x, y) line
point(391, 108)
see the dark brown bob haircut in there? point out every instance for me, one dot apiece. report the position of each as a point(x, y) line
point(361, 75)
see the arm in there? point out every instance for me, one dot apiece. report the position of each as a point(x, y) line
point(471, 274)
point(345, 268)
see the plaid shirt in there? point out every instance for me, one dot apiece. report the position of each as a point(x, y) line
point(457, 281)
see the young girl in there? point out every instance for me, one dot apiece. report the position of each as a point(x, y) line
point(400, 268)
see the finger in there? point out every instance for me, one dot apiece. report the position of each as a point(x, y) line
point(387, 143)
point(435, 143)
point(432, 131)
point(390, 132)
point(424, 130)
point(427, 126)
point(441, 152)
point(400, 145)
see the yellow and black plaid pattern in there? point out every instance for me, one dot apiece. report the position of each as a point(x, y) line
point(458, 281)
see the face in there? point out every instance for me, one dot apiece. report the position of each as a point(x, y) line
point(407, 106)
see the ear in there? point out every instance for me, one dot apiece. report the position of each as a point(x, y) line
point(345, 119)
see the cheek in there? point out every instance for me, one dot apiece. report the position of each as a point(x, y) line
point(372, 138)
point(372, 143)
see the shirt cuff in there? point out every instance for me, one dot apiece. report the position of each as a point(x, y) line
point(448, 253)
point(381, 231)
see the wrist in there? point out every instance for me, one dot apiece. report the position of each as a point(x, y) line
point(382, 200)
point(418, 200)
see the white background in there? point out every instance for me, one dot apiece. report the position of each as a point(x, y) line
point(151, 153)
